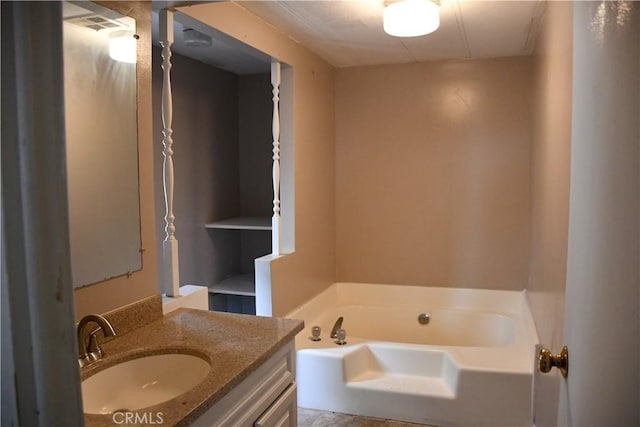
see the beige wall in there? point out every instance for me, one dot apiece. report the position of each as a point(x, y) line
point(110, 294)
point(551, 151)
point(432, 164)
point(550, 164)
point(308, 271)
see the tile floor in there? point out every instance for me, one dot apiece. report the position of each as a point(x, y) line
point(313, 418)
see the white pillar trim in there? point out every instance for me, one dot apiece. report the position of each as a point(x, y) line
point(170, 277)
point(276, 221)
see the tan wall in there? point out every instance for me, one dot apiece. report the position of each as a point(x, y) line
point(308, 271)
point(110, 294)
point(551, 164)
point(551, 151)
point(432, 163)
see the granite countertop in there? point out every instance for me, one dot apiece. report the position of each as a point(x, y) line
point(235, 345)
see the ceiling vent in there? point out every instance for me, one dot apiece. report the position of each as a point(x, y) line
point(95, 22)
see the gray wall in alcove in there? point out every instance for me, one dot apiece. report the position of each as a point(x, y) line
point(222, 143)
point(205, 134)
point(255, 143)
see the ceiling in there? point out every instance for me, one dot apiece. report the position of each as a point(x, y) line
point(349, 33)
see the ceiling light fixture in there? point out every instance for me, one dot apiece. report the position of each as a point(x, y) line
point(122, 46)
point(411, 18)
point(195, 38)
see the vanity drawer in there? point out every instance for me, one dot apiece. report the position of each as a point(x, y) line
point(283, 412)
point(249, 400)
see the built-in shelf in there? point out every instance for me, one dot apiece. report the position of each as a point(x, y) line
point(243, 284)
point(236, 285)
point(242, 223)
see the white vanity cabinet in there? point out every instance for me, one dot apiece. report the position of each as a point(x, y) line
point(266, 398)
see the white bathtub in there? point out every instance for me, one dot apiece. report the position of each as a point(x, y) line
point(472, 364)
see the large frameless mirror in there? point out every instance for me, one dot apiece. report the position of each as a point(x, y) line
point(102, 144)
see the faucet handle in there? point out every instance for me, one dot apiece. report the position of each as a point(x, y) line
point(341, 336)
point(94, 351)
point(92, 346)
point(315, 333)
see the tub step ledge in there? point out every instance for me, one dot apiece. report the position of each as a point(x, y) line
point(405, 384)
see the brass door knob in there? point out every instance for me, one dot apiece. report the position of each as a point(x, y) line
point(546, 361)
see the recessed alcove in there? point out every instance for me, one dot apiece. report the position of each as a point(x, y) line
point(223, 144)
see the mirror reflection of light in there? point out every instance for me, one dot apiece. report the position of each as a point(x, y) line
point(122, 47)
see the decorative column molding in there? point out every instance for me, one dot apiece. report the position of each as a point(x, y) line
point(170, 279)
point(276, 219)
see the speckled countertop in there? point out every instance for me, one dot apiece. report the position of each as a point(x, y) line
point(235, 345)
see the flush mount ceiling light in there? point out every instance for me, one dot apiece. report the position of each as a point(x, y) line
point(195, 38)
point(122, 46)
point(410, 18)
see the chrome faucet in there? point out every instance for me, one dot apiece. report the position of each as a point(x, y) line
point(88, 349)
point(336, 327)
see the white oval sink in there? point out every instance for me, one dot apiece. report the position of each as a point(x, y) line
point(142, 382)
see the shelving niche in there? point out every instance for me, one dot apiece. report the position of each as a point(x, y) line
point(224, 126)
point(246, 234)
point(242, 284)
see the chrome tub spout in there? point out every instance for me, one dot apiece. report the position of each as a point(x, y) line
point(336, 327)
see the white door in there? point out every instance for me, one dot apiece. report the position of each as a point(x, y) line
point(602, 320)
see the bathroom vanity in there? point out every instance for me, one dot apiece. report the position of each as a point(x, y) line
point(252, 376)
